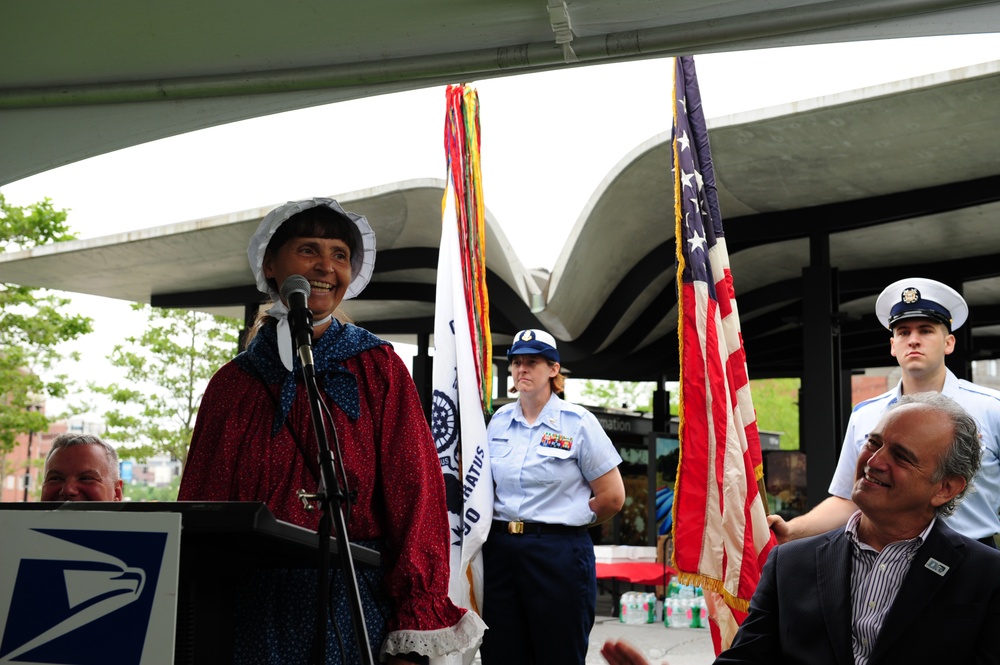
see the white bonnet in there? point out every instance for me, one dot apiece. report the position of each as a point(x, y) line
point(362, 259)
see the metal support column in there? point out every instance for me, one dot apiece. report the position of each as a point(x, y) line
point(960, 360)
point(661, 406)
point(821, 425)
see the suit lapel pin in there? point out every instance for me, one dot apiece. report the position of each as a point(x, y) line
point(936, 566)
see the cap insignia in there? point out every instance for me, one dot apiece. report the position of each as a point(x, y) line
point(526, 336)
point(911, 295)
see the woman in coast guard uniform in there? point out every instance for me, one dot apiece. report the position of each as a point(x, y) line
point(555, 474)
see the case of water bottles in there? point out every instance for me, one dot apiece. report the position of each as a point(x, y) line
point(684, 606)
point(637, 607)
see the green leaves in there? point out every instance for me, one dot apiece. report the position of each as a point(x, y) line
point(32, 226)
point(618, 394)
point(32, 324)
point(166, 371)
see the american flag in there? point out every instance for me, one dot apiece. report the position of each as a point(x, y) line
point(720, 533)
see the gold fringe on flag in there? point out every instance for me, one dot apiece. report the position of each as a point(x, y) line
point(462, 147)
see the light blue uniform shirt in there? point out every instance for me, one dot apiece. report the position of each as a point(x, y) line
point(542, 471)
point(976, 516)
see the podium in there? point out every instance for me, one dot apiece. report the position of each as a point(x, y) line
point(221, 543)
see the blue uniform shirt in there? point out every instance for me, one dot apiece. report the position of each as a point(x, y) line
point(976, 515)
point(542, 471)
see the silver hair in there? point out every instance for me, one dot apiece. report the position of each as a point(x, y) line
point(69, 439)
point(964, 453)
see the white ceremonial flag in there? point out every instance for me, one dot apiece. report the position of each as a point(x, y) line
point(459, 427)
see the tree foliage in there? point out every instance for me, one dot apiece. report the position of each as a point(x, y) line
point(166, 371)
point(776, 402)
point(152, 492)
point(32, 324)
point(620, 395)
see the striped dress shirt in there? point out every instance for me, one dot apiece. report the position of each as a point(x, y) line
point(875, 581)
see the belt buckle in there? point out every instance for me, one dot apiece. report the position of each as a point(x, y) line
point(515, 528)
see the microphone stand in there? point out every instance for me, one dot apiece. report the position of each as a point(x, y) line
point(330, 502)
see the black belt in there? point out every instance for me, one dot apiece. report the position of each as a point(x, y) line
point(537, 528)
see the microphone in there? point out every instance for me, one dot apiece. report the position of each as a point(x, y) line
point(295, 292)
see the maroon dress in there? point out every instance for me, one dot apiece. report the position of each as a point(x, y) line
point(253, 441)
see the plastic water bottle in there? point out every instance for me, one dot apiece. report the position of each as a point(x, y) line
point(633, 608)
point(644, 607)
point(694, 614)
point(678, 612)
point(650, 608)
point(624, 609)
point(630, 607)
point(702, 611)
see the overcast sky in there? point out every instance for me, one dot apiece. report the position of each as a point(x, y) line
point(548, 140)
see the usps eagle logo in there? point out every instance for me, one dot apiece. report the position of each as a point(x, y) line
point(88, 600)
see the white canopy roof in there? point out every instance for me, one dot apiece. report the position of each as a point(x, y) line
point(79, 79)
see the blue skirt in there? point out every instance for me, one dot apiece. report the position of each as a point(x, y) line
point(275, 617)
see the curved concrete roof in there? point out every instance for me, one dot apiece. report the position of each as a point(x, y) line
point(202, 264)
point(901, 179)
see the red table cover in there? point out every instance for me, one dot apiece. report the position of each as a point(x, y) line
point(636, 572)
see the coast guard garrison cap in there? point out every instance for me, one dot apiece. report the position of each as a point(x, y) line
point(916, 297)
point(534, 342)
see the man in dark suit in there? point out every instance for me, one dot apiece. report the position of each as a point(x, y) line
point(897, 585)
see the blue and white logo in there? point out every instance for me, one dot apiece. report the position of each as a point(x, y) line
point(82, 596)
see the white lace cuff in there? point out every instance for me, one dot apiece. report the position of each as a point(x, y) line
point(465, 635)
